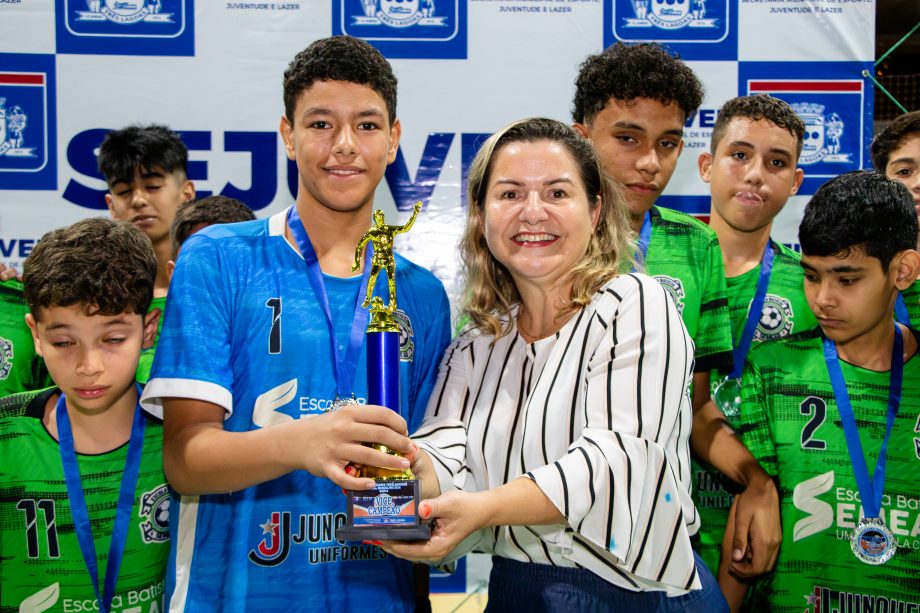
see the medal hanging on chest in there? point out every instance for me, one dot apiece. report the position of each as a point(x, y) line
point(344, 363)
point(871, 541)
point(727, 394)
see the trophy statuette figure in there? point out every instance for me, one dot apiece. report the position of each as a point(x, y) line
point(390, 510)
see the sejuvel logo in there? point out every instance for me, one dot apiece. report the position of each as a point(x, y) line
point(125, 12)
point(823, 134)
point(398, 13)
point(696, 29)
point(13, 123)
point(417, 29)
point(132, 27)
point(670, 15)
point(27, 122)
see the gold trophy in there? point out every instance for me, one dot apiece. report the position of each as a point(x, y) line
point(390, 510)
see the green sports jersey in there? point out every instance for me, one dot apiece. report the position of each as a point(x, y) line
point(790, 422)
point(20, 367)
point(785, 312)
point(41, 565)
point(146, 362)
point(684, 256)
point(912, 300)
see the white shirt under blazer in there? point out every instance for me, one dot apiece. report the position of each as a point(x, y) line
point(599, 416)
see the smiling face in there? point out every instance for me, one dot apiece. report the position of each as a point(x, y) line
point(904, 166)
point(149, 200)
point(536, 217)
point(638, 143)
point(752, 174)
point(342, 142)
point(92, 358)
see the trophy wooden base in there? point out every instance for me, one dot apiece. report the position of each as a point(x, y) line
point(389, 512)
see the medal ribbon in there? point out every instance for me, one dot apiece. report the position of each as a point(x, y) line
point(645, 235)
point(900, 310)
point(869, 492)
point(78, 502)
point(739, 353)
point(345, 366)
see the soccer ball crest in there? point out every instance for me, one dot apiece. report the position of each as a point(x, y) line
point(154, 509)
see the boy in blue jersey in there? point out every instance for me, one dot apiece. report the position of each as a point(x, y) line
point(263, 333)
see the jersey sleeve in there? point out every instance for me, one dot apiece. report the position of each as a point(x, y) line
point(436, 337)
point(194, 350)
point(756, 428)
point(714, 335)
point(618, 486)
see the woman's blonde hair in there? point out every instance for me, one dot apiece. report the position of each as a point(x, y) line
point(490, 292)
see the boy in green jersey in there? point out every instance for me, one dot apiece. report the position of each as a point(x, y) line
point(20, 368)
point(896, 153)
point(751, 169)
point(821, 408)
point(84, 504)
point(145, 168)
point(632, 102)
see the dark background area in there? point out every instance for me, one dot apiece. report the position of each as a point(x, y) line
point(899, 73)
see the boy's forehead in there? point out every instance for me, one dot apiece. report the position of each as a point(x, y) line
point(850, 259)
point(142, 172)
point(907, 147)
point(643, 111)
point(82, 316)
point(340, 97)
point(758, 131)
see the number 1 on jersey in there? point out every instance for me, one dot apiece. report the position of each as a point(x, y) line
point(274, 336)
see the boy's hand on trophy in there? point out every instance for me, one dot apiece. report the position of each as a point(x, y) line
point(335, 440)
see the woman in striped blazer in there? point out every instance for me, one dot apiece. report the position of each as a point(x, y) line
point(557, 435)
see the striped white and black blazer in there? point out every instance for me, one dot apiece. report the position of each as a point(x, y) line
point(598, 415)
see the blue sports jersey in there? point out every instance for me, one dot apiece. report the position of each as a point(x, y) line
point(272, 546)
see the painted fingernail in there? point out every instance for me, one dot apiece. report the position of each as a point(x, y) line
point(350, 470)
point(425, 510)
point(376, 543)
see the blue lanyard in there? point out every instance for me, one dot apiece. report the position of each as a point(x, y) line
point(870, 493)
point(739, 353)
point(345, 366)
point(900, 310)
point(645, 235)
point(80, 512)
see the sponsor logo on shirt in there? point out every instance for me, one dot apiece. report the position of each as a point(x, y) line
point(776, 319)
point(826, 506)
point(406, 336)
point(154, 510)
point(6, 357)
point(825, 600)
point(675, 290)
point(316, 531)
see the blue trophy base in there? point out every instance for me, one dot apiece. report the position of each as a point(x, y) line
point(389, 512)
